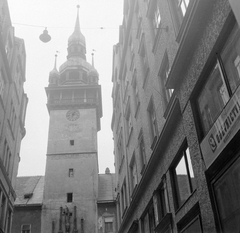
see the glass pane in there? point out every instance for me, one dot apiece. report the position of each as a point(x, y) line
point(183, 8)
point(190, 169)
point(227, 191)
point(194, 227)
point(231, 58)
point(213, 98)
point(182, 181)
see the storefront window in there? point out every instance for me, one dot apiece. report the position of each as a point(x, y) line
point(231, 58)
point(213, 98)
point(227, 193)
point(222, 82)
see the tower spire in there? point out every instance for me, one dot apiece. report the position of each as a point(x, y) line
point(55, 63)
point(54, 74)
point(93, 59)
point(77, 24)
point(76, 42)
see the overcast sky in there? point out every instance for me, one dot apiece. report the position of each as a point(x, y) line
point(29, 18)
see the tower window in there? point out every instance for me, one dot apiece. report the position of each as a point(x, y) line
point(69, 197)
point(26, 228)
point(72, 142)
point(70, 172)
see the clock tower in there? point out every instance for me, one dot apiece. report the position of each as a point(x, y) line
point(75, 108)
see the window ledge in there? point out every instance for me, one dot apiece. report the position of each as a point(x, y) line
point(129, 136)
point(143, 168)
point(134, 190)
point(146, 77)
point(137, 108)
point(121, 164)
point(154, 142)
point(169, 105)
point(183, 204)
point(11, 129)
point(158, 36)
point(125, 211)
point(166, 220)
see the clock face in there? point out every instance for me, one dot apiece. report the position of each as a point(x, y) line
point(73, 115)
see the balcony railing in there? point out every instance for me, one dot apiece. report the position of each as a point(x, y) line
point(73, 101)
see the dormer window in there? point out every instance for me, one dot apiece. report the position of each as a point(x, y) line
point(28, 195)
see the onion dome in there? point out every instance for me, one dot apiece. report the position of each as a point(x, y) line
point(76, 42)
point(54, 74)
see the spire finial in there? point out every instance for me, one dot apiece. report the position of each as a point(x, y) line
point(77, 25)
point(93, 57)
point(55, 63)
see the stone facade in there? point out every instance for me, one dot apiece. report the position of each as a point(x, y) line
point(13, 103)
point(160, 66)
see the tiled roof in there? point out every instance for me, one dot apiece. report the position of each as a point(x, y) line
point(106, 187)
point(29, 190)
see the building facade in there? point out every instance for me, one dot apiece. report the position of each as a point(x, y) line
point(175, 120)
point(71, 176)
point(27, 215)
point(13, 103)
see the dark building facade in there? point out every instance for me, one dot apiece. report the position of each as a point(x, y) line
point(13, 103)
point(176, 75)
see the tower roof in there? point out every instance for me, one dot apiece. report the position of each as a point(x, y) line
point(54, 71)
point(77, 37)
point(54, 74)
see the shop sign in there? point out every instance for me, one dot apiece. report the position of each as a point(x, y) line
point(225, 127)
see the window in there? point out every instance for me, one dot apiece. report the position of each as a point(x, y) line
point(124, 197)
point(132, 55)
point(154, 16)
point(139, 27)
point(26, 228)
point(142, 152)
point(231, 58)
point(183, 178)
point(108, 222)
point(163, 76)
point(183, 5)
point(135, 92)
point(2, 84)
point(222, 82)
point(128, 120)
point(148, 220)
point(2, 210)
point(160, 202)
point(153, 127)
point(178, 10)
point(70, 172)
point(226, 198)
point(6, 157)
point(12, 117)
point(72, 142)
point(133, 173)
point(8, 221)
point(151, 219)
point(69, 197)
point(144, 59)
point(125, 83)
point(120, 149)
point(193, 226)
point(8, 47)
